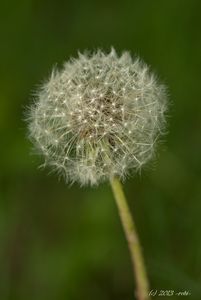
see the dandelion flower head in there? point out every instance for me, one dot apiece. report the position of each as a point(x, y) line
point(98, 117)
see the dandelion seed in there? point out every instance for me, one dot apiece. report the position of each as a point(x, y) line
point(100, 114)
point(114, 112)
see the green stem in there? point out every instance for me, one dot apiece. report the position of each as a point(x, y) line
point(142, 286)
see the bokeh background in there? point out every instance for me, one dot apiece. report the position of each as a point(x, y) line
point(61, 242)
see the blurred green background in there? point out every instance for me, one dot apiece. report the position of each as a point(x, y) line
point(60, 242)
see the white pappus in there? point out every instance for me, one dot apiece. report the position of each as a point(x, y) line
point(98, 117)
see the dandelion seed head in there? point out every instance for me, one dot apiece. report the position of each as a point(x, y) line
point(98, 117)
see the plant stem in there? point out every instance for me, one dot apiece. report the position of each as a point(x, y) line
point(142, 286)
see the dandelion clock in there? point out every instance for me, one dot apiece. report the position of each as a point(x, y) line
point(98, 119)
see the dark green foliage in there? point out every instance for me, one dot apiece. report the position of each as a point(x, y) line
point(61, 243)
